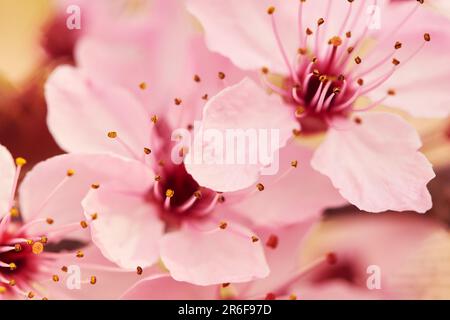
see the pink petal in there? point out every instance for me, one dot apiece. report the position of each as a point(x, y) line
point(83, 111)
point(421, 84)
point(288, 196)
point(41, 198)
point(111, 281)
point(376, 165)
point(244, 106)
point(241, 30)
point(152, 57)
point(128, 228)
point(163, 287)
point(7, 170)
point(200, 256)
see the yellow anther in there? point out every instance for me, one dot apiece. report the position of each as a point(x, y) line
point(336, 41)
point(112, 134)
point(223, 225)
point(12, 266)
point(83, 224)
point(169, 193)
point(55, 278)
point(198, 194)
point(37, 247)
point(143, 85)
point(80, 254)
point(14, 212)
point(299, 111)
point(294, 163)
point(154, 119)
point(94, 216)
point(2, 290)
point(70, 172)
point(93, 280)
point(20, 161)
point(30, 295)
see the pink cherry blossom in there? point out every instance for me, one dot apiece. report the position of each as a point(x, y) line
point(390, 243)
point(151, 208)
point(35, 263)
point(322, 57)
point(335, 267)
point(137, 209)
point(282, 247)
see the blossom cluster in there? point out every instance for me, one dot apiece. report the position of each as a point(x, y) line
point(204, 140)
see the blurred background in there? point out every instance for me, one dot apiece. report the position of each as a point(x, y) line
point(33, 40)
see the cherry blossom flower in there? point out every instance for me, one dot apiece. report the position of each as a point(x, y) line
point(323, 58)
point(43, 240)
point(158, 209)
point(127, 109)
point(358, 246)
point(282, 247)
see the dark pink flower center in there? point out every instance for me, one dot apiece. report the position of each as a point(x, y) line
point(328, 76)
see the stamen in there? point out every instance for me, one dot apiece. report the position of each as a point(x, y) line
point(349, 13)
point(30, 224)
point(169, 194)
point(37, 248)
point(300, 21)
point(7, 249)
point(427, 38)
point(113, 135)
point(218, 198)
point(295, 95)
point(320, 22)
point(50, 196)
point(376, 65)
point(271, 11)
point(317, 95)
point(190, 202)
point(11, 266)
point(156, 190)
point(20, 162)
point(322, 96)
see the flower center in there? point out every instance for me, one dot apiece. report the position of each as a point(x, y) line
point(179, 195)
point(327, 76)
point(18, 258)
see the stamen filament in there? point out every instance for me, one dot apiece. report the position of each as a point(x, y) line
point(281, 48)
